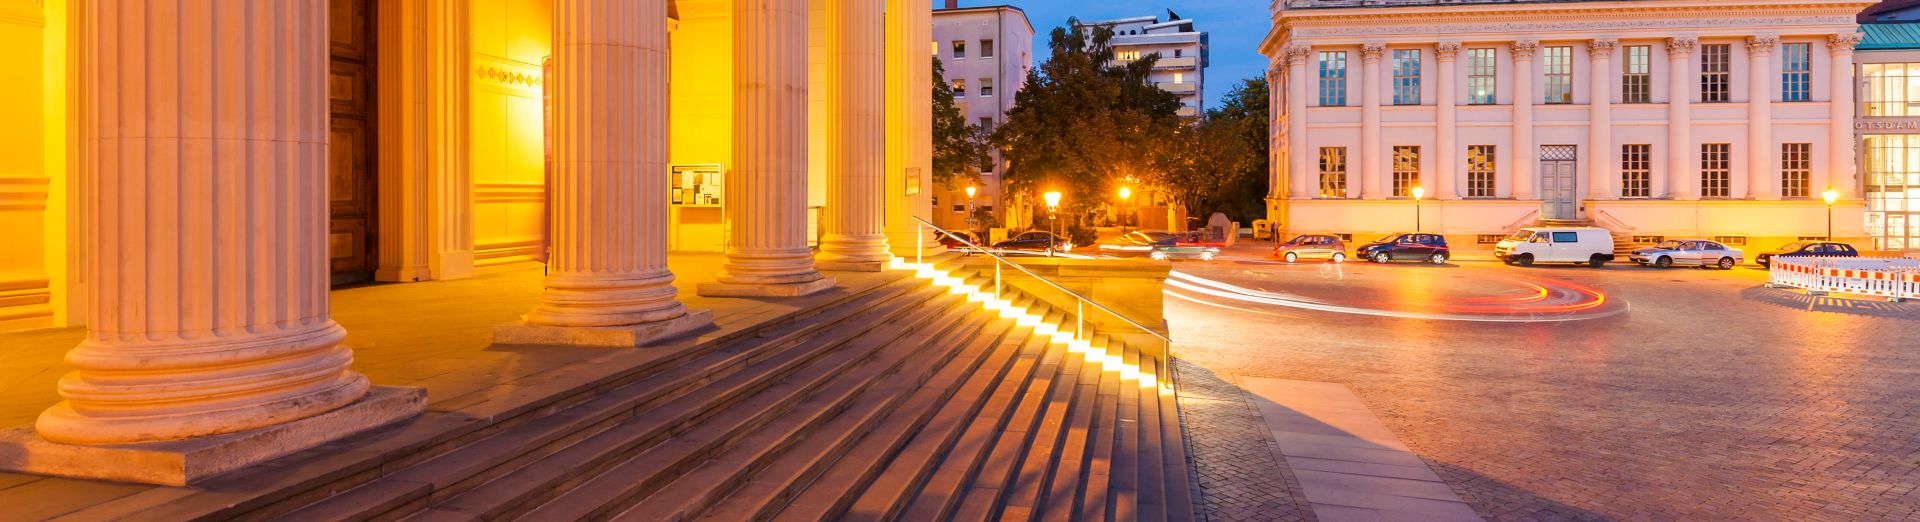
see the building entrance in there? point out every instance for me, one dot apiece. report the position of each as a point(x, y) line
point(1559, 193)
point(350, 160)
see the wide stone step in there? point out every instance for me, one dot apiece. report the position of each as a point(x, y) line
point(983, 497)
point(940, 490)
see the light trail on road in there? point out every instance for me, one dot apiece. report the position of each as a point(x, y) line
point(1540, 300)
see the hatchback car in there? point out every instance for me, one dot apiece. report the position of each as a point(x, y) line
point(953, 243)
point(1807, 249)
point(1137, 243)
point(1034, 241)
point(1312, 246)
point(1687, 252)
point(1411, 245)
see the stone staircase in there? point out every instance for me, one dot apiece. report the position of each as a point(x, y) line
point(921, 399)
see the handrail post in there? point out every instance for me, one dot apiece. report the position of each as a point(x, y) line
point(996, 279)
point(1080, 318)
point(919, 245)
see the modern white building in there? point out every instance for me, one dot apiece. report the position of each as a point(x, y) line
point(1182, 66)
point(1653, 118)
point(987, 52)
point(1888, 129)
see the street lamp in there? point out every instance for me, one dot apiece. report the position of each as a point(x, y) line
point(970, 223)
point(1053, 219)
point(1125, 193)
point(1417, 194)
point(1830, 195)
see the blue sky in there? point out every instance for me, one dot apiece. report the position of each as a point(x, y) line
point(1234, 29)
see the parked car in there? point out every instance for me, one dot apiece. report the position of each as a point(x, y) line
point(1411, 245)
point(1688, 252)
point(956, 244)
point(1592, 246)
point(1312, 246)
point(1034, 241)
point(1137, 243)
point(1807, 249)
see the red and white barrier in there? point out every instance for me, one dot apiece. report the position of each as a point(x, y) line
point(1893, 278)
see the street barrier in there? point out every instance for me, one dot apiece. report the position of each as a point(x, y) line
point(1896, 279)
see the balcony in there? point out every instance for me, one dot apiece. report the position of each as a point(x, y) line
point(1187, 112)
point(1178, 87)
point(1184, 62)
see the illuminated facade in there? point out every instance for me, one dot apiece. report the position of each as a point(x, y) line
point(192, 195)
point(1888, 132)
point(1182, 66)
point(1651, 118)
point(987, 52)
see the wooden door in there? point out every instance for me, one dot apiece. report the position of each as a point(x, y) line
point(1559, 195)
point(350, 161)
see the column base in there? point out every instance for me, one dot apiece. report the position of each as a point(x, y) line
point(717, 289)
point(628, 336)
point(850, 266)
point(181, 462)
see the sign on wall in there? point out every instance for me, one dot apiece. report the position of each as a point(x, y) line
point(697, 184)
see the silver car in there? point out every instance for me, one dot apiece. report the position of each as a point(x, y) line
point(1688, 252)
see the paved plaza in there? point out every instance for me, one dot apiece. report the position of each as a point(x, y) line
point(1688, 395)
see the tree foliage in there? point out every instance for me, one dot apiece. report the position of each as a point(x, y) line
point(959, 149)
point(1220, 164)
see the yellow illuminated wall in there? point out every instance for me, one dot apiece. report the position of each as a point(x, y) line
point(701, 114)
point(33, 180)
point(510, 39)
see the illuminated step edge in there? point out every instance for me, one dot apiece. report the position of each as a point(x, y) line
point(1035, 318)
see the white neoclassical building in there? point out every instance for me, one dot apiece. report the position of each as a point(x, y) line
point(1654, 118)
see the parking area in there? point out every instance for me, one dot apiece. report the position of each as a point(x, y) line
point(1561, 392)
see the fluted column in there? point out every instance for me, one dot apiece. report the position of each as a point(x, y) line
point(609, 215)
point(1523, 157)
point(909, 126)
point(767, 252)
point(1370, 152)
point(1762, 181)
point(1600, 157)
point(1681, 156)
point(856, 138)
point(208, 267)
point(1446, 158)
point(1839, 172)
point(1301, 154)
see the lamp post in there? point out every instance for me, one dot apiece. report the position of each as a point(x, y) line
point(1417, 194)
point(1830, 195)
point(970, 222)
point(1053, 219)
point(1125, 193)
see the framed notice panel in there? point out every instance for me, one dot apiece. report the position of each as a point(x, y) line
point(697, 185)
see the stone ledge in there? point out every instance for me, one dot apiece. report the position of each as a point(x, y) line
point(181, 462)
point(630, 336)
point(716, 289)
point(850, 266)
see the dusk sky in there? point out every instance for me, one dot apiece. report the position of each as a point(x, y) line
point(1235, 28)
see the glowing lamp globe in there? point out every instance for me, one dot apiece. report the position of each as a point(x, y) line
point(1831, 195)
point(970, 191)
point(1419, 192)
point(1053, 199)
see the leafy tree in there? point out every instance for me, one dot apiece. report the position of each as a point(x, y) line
point(959, 149)
point(1232, 146)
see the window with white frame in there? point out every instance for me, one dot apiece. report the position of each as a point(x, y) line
point(1796, 72)
point(1891, 89)
point(959, 49)
point(1480, 171)
point(1716, 73)
point(1333, 78)
point(1636, 75)
point(1406, 169)
point(1406, 76)
point(1796, 170)
point(986, 48)
point(986, 87)
point(1333, 172)
point(1636, 170)
point(1716, 170)
point(959, 88)
point(1557, 63)
point(1480, 76)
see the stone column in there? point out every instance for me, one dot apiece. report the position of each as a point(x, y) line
point(767, 252)
point(1371, 153)
point(426, 187)
point(1446, 158)
point(1839, 173)
point(1601, 159)
point(1302, 154)
point(856, 138)
point(1681, 156)
point(208, 270)
point(910, 128)
point(1763, 163)
point(607, 283)
point(1522, 157)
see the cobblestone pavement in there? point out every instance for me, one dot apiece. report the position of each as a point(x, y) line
point(1708, 398)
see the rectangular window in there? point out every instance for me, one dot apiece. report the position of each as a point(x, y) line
point(1796, 72)
point(986, 48)
point(986, 87)
point(986, 124)
point(1716, 73)
point(1333, 172)
point(1636, 75)
point(1480, 171)
point(1716, 170)
point(1406, 170)
point(1558, 65)
point(959, 209)
point(1796, 170)
point(959, 88)
point(1406, 76)
point(1890, 89)
point(1636, 171)
point(1480, 76)
point(959, 49)
point(1333, 78)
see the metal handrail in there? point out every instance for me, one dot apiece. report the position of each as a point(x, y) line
point(1616, 220)
point(1166, 354)
point(1516, 224)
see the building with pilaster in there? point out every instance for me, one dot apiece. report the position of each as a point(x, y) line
point(1652, 118)
point(986, 52)
point(1182, 66)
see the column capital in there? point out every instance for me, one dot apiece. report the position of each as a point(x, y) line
point(1524, 49)
point(1446, 51)
point(1842, 43)
point(1762, 44)
point(1370, 53)
point(1297, 54)
point(1681, 45)
point(1602, 48)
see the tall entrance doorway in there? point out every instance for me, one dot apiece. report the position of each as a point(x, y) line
point(1559, 193)
point(350, 159)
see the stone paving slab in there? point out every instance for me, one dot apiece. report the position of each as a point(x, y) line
point(1358, 469)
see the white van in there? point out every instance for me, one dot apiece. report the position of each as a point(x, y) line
point(1578, 245)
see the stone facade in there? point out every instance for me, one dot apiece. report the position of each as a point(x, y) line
point(981, 47)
